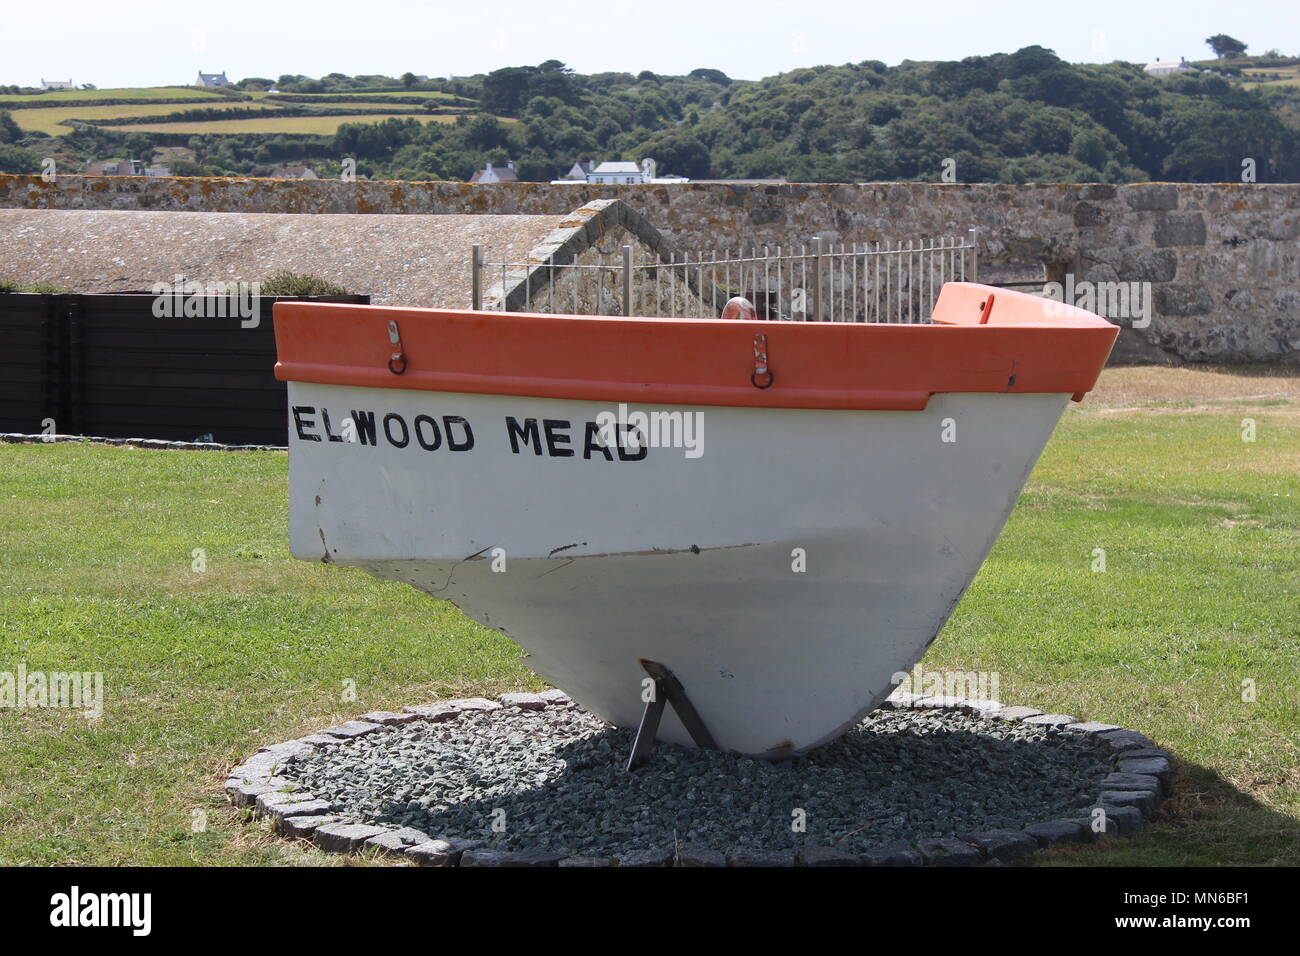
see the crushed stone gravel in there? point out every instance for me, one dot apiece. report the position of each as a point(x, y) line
point(554, 780)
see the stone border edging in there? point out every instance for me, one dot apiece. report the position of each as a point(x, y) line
point(1128, 798)
point(19, 438)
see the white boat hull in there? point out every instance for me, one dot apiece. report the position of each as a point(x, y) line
point(690, 562)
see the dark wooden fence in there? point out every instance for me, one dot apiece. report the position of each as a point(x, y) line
point(106, 366)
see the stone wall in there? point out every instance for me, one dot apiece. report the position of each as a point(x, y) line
point(578, 268)
point(1223, 260)
point(592, 283)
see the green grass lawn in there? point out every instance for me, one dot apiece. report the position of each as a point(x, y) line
point(1201, 592)
point(274, 122)
point(55, 97)
point(51, 121)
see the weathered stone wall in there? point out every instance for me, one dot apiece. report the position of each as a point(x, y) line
point(592, 284)
point(578, 268)
point(1223, 259)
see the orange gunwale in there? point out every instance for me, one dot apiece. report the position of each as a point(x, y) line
point(1026, 345)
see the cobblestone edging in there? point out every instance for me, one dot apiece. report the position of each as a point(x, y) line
point(1128, 798)
point(18, 438)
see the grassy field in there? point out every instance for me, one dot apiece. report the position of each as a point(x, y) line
point(50, 121)
point(1201, 532)
point(130, 93)
point(1273, 76)
point(320, 125)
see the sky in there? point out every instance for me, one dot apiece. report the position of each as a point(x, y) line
point(149, 43)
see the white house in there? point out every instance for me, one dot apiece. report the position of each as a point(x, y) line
point(56, 84)
point(495, 174)
point(212, 79)
point(616, 172)
point(623, 173)
point(1168, 67)
point(115, 167)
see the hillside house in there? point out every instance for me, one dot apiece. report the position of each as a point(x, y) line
point(56, 84)
point(495, 174)
point(1162, 68)
point(212, 79)
point(613, 171)
point(115, 167)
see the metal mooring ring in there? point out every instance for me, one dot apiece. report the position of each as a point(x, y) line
point(766, 373)
point(393, 361)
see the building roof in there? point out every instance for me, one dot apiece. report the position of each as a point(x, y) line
point(1168, 66)
point(408, 260)
point(503, 174)
point(617, 166)
point(112, 167)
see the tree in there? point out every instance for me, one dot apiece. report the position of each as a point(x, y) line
point(1032, 60)
point(1225, 46)
point(15, 159)
point(408, 79)
point(139, 145)
point(505, 90)
point(1089, 148)
point(10, 132)
point(711, 76)
point(1014, 117)
point(677, 153)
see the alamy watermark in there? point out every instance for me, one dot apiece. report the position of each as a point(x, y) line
point(657, 429)
point(191, 299)
point(970, 685)
point(1110, 300)
point(130, 910)
point(69, 690)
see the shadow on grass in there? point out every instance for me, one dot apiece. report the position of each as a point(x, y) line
point(1205, 821)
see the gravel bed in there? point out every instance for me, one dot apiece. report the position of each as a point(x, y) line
point(557, 774)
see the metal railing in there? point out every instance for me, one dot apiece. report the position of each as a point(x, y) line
point(885, 281)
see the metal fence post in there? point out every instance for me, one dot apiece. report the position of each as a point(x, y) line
point(818, 278)
point(476, 281)
point(627, 280)
point(974, 256)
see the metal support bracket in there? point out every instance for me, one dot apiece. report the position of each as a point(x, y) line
point(762, 376)
point(667, 690)
point(397, 362)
